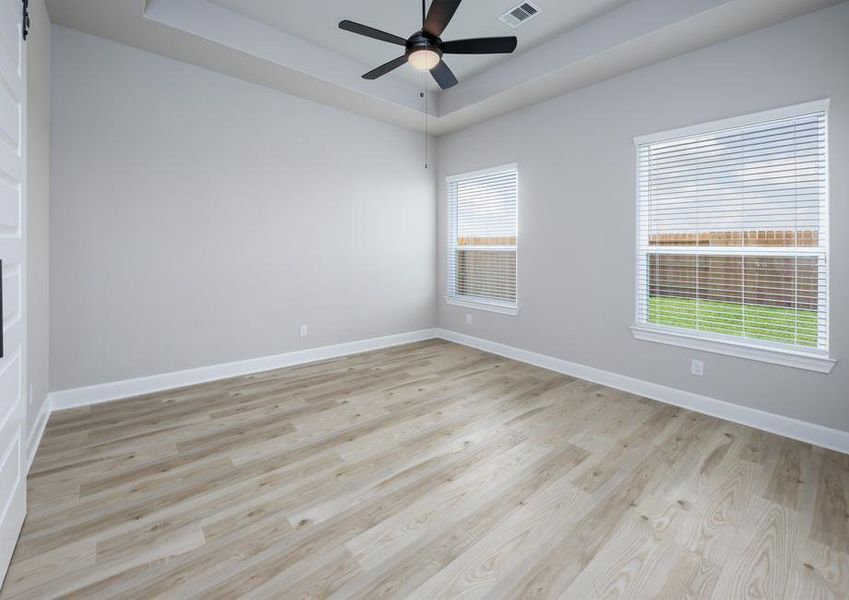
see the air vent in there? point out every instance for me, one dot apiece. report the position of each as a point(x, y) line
point(519, 14)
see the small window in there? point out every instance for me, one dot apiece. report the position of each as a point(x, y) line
point(483, 239)
point(733, 232)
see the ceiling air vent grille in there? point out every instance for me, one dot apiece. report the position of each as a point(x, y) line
point(519, 14)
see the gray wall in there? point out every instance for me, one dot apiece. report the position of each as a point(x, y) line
point(577, 203)
point(197, 219)
point(38, 192)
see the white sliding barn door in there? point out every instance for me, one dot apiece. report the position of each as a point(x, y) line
point(12, 250)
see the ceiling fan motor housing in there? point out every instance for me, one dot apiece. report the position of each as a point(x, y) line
point(422, 41)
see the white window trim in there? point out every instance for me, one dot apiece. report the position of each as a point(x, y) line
point(775, 114)
point(504, 309)
point(484, 303)
point(482, 172)
point(813, 361)
point(818, 361)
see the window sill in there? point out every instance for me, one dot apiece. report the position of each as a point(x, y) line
point(812, 361)
point(480, 305)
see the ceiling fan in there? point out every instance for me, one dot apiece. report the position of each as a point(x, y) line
point(424, 49)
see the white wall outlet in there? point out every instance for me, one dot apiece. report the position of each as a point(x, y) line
point(468, 318)
point(697, 367)
point(31, 394)
point(304, 330)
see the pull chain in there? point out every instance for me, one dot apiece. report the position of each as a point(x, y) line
point(423, 94)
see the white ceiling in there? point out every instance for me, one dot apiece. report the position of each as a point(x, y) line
point(317, 22)
point(297, 48)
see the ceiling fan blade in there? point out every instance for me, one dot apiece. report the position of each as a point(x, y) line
point(371, 32)
point(443, 75)
point(385, 68)
point(439, 16)
point(491, 45)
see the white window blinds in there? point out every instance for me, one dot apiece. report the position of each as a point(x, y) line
point(733, 232)
point(483, 237)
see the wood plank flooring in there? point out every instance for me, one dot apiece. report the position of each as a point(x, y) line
point(425, 471)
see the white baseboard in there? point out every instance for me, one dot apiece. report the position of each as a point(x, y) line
point(34, 436)
point(117, 390)
point(811, 433)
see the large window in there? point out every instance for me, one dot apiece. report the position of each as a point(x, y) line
point(733, 237)
point(482, 239)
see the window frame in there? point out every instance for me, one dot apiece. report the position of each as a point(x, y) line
point(504, 308)
point(815, 359)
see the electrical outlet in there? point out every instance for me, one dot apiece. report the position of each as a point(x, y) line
point(697, 368)
point(31, 394)
point(304, 330)
point(468, 318)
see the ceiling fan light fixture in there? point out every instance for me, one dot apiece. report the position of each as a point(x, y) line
point(424, 60)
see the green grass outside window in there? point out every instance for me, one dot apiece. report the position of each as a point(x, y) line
point(770, 323)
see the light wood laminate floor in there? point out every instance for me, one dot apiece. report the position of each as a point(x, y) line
point(425, 471)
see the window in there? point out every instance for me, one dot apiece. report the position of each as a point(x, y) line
point(482, 239)
point(733, 237)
